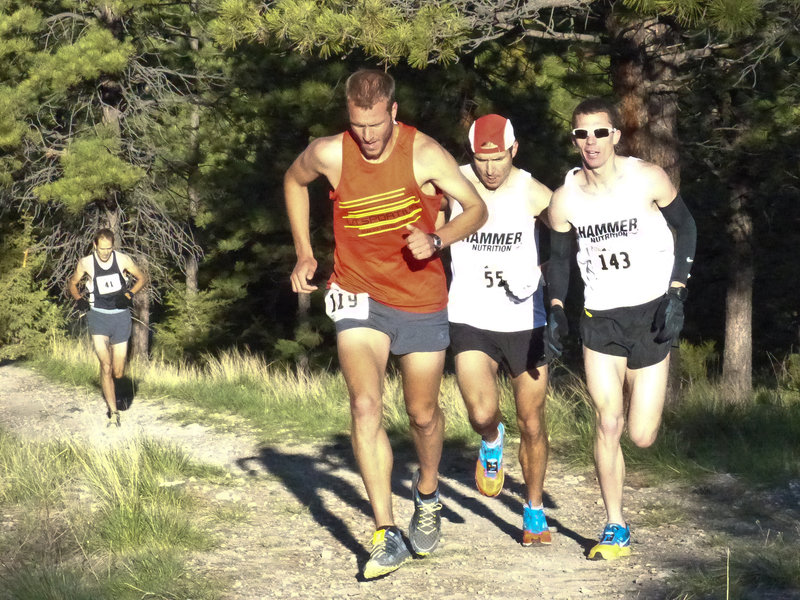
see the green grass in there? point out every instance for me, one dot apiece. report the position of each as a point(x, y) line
point(745, 570)
point(702, 433)
point(95, 524)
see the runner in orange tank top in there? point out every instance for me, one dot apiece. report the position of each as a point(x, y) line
point(387, 294)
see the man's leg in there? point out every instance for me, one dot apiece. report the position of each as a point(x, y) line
point(363, 354)
point(605, 375)
point(119, 353)
point(529, 394)
point(102, 350)
point(476, 374)
point(648, 390)
point(422, 378)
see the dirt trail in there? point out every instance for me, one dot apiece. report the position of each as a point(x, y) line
point(308, 527)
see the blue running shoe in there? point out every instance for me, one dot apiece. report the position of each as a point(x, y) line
point(534, 526)
point(489, 472)
point(614, 543)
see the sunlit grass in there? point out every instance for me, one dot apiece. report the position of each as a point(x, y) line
point(743, 570)
point(90, 523)
point(701, 433)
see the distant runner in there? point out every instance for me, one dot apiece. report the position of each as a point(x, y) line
point(111, 280)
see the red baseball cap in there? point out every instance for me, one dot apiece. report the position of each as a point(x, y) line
point(491, 133)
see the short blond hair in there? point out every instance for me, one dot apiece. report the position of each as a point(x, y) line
point(366, 87)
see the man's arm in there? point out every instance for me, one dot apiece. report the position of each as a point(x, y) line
point(133, 269)
point(77, 276)
point(560, 247)
point(319, 158)
point(678, 217)
point(434, 164)
point(557, 274)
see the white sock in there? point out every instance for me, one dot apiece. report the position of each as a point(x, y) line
point(497, 441)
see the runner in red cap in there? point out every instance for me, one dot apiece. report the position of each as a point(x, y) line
point(497, 316)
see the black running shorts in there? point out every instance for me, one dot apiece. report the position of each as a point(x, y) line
point(627, 331)
point(517, 351)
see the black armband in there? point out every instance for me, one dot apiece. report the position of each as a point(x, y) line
point(558, 265)
point(680, 219)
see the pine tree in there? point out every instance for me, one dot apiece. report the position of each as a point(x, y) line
point(29, 318)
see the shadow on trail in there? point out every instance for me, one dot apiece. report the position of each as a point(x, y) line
point(307, 477)
point(125, 391)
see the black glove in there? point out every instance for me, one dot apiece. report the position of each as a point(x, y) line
point(124, 300)
point(82, 304)
point(557, 329)
point(668, 321)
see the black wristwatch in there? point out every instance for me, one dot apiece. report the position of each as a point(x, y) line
point(681, 293)
point(437, 242)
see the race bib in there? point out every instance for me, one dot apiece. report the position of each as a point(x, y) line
point(108, 284)
point(340, 304)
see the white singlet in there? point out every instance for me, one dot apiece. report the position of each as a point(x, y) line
point(505, 247)
point(625, 248)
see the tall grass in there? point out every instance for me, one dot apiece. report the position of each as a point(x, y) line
point(701, 432)
point(96, 524)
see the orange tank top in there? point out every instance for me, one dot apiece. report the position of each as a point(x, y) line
point(372, 205)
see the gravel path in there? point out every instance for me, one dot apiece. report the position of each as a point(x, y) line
point(308, 527)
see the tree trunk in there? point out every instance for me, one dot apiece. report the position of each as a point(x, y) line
point(737, 363)
point(303, 310)
point(643, 71)
point(140, 333)
point(194, 195)
point(194, 165)
point(642, 74)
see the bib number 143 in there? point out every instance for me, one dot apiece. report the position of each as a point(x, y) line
point(615, 260)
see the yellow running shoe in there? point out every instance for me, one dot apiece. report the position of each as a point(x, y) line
point(388, 553)
point(489, 472)
point(614, 543)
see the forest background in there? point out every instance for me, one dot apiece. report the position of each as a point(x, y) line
point(173, 122)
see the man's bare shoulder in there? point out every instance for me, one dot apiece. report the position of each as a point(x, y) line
point(537, 188)
point(123, 260)
point(657, 182)
point(326, 151)
point(427, 148)
point(85, 266)
point(431, 160)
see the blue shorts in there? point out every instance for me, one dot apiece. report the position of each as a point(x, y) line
point(116, 326)
point(408, 331)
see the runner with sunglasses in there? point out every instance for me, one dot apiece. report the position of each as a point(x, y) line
point(621, 210)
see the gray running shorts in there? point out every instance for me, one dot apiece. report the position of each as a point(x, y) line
point(628, 331)
point(115, 326)
point(408, 331)
point(517, 351)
